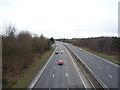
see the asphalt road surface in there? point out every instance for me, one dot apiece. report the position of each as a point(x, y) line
point(106, 71)
point(60, 76)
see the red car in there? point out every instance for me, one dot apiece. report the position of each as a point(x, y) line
point(60, 62)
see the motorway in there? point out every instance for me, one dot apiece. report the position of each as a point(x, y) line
point(60, 76)
point(104, 70)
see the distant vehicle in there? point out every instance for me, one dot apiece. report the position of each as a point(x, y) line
point(80, 49)
point(56, 52)
point(60, 62)
point(62, 51)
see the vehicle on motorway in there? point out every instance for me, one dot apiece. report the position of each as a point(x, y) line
point(60, 62)
point(80, 49)
point(56, 52)
point(62, 51)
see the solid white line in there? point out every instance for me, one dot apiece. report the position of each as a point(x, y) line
point(53, 75)
point(76, 68)
point(110, 76)
point(40, 73)
point(90, 71)
point(102, 58)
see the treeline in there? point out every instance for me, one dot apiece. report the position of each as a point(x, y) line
point(108, 45)
point(19, 51)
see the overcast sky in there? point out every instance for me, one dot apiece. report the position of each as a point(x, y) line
point(62, 18)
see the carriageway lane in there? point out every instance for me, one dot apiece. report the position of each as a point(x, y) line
point(106, 71)
point(56, 76)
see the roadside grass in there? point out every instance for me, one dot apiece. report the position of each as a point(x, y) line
point(112, 58)
point(29, 74)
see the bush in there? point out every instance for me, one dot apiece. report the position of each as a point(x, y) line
point(108, 45)
point(18, 51)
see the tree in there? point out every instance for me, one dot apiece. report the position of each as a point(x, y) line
point(52, 40)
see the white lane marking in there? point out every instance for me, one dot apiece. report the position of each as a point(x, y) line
point(55, 67)
point(53, 75)
point(90, 71)
point(76, 68)
point(40, 73)
point(110, 76)
point(102, 59)
point(98, 67)
point(65, 66)
point(66, 74)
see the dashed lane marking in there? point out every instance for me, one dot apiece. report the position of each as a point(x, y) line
point(110, 76)
point(65, 66)
point(66, 74)
point(40, 73)
point(53, 75)
point(76, 68)
point(98, 67)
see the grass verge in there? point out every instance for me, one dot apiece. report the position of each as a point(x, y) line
point(28, 75)
point(112, 58)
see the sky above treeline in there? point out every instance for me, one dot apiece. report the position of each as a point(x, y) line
point(61, 18)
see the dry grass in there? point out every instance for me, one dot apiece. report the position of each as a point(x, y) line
point(25, 78)
point(112, 58)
